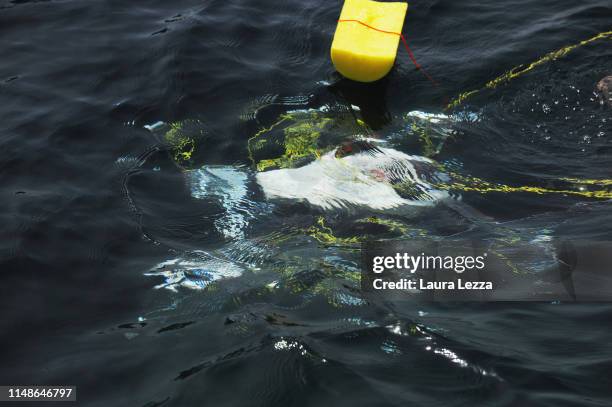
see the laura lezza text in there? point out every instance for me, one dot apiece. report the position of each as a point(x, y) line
point(422, 284)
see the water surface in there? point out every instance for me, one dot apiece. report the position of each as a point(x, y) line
point(147, 282)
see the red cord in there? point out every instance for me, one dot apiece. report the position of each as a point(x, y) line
point(410, 54)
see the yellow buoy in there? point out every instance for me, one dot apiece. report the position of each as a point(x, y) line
point(366, 39)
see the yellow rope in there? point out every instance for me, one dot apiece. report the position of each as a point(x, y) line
point(523, 69)
point(259, 133)
point(473, 184)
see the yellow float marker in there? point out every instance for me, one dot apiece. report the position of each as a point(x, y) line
point(366, 39)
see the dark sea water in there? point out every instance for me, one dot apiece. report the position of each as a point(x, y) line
point(118, 277)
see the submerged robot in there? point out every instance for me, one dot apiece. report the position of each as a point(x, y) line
point(315, 174)
point(325, 158)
